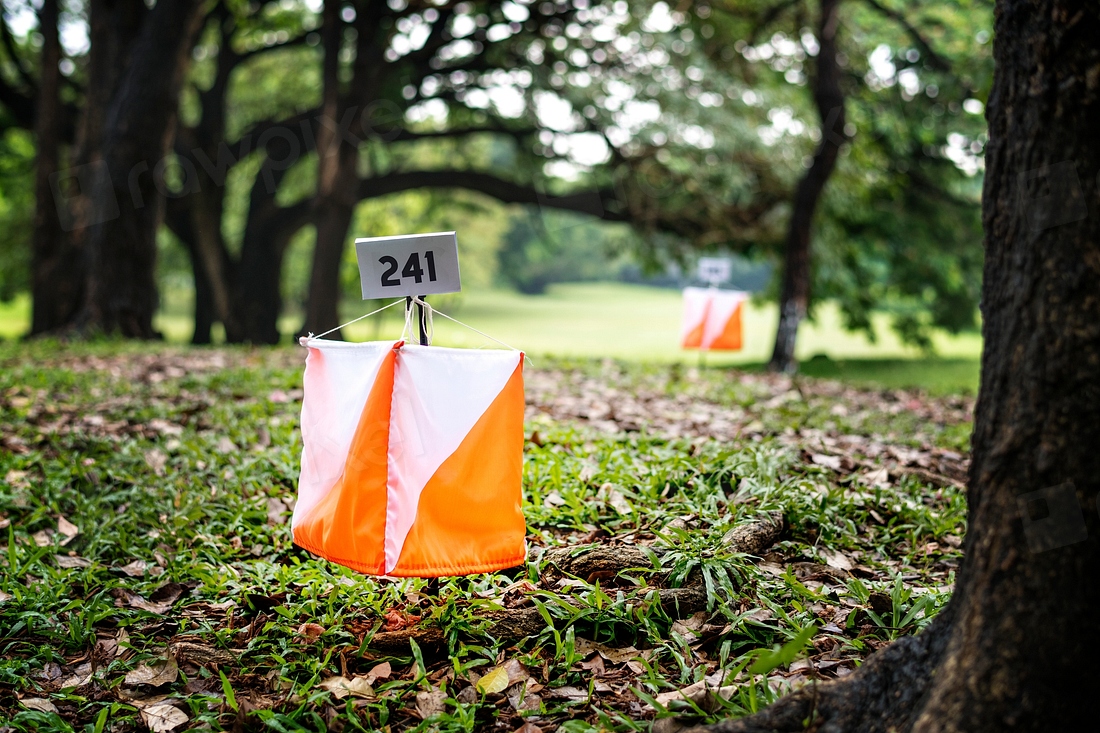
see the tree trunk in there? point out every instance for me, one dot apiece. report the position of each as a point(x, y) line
point(1017, 651)
point(177, 217)
point(267, 234)
point(337, 179)
point(794, 295)
point(121, 295)
point(57, 274)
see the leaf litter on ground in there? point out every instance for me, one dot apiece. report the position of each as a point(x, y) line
point(188, 459)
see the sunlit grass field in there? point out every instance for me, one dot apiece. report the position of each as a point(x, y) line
point(635, 323)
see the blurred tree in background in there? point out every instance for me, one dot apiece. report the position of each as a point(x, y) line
point(667, 131)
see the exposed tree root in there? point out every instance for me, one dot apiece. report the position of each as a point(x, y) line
point(593, 564)
point(608, 561)
point(882, 696)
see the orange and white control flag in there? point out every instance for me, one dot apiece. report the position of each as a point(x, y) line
point(712, 319)
point(412, 459)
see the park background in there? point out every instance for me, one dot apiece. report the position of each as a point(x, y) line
point(644, 100)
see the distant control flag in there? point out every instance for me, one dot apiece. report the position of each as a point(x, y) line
point(712, 319)
point(412, 459)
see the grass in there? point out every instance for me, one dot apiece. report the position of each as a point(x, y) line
point(639, 324)
point(180, 461)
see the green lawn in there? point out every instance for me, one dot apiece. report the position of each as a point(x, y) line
point(640, 324)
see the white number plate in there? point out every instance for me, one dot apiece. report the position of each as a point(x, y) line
point(715, 270)
point(412, 264)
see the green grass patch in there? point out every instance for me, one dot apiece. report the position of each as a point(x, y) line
point(143, 499)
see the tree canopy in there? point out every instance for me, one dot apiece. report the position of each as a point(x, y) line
point(686, 128)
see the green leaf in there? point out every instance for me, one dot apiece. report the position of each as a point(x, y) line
point(230, 698)
point(770, 659)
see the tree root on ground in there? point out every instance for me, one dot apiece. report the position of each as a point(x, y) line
point(882, 696)
point(592, 564)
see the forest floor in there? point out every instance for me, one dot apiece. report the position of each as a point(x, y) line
point(787, 528)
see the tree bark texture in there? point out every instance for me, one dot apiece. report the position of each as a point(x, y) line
point(337, 157)
point(121, 295)
point(56, 271)
point(1015, 649)
point(794, 297)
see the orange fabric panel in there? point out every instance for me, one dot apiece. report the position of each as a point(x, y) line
point(348, 526)
point(730, 338)
point(694, 339)
point(469, 518)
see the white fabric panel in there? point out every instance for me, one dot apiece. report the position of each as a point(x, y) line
point(337, 382)
point(438, 396)
point(722, 305)
point(695, 310)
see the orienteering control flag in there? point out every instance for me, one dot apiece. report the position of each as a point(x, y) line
point(712, 319)
point(412, 458)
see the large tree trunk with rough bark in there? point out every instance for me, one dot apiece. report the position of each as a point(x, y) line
point(121, 294)
point(56, 271)
point(794, 295)
point(1016, 648)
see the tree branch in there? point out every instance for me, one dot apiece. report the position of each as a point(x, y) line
point(936, 61)
point(407, 135)
point(593, 202)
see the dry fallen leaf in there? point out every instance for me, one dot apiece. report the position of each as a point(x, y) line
point(135, 569)
point(553, 499)
point(341, 687)
point(878, 477)
point(81, 676)
point(571, 694)
point(5, 597)
point(156, 459)
point(40, 704)
point(379, 672)
point(821, 459)
point(310, 631)
point(155, 675)
point(159, 602)
point(494, 681)
point(615, 498)
point(516, 672)
point(614, 655)
point(42, 537)
point(703, 693)
point(163, 717)
point(67, 528)
point(522, 700)
point(276, 510)
point(836, 559)
point(69, 562)
point(430, 703)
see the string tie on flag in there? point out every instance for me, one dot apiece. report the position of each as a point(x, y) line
point(408, 329)
point(429, 325)
point(354, 320)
